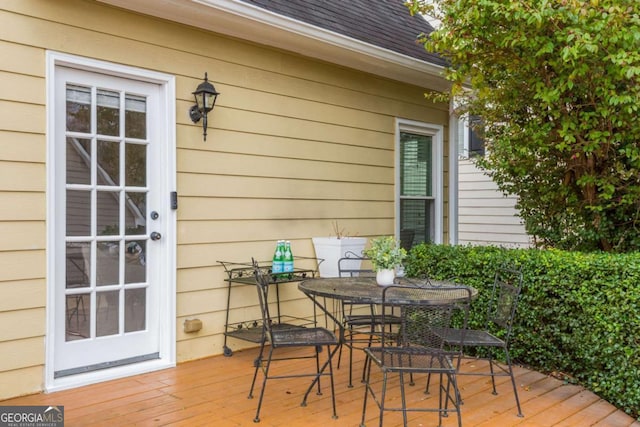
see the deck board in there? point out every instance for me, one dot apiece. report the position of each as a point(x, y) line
point(213, 392)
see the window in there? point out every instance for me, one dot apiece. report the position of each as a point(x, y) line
point(419, 183)
point(469, 142)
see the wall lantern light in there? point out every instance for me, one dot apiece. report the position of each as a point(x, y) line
point(205, 96)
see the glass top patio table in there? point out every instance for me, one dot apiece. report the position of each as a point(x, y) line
point(365, 290)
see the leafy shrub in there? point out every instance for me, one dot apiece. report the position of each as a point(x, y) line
point(579, 313)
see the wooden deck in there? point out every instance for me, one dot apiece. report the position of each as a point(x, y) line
point(213, 392)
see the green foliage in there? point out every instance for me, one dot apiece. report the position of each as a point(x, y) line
point(385, 253)
point(579, 313)
point(557, 85)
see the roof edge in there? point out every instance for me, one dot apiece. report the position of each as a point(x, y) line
point(246, 21)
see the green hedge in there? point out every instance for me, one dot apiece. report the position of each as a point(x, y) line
point(579, 313)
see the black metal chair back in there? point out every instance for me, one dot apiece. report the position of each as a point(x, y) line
point(262, 286)
point(417, 348)
point(350, 265)
point(502, 306)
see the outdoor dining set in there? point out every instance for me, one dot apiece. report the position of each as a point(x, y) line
point(414, 333)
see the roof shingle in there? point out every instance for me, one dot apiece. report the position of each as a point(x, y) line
point(382, 23)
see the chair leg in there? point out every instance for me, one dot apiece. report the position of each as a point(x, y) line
point(403, 399)
point(367, 367)
point(264, 386)
point(493, 378)
point(513, 383)
point(333, 389)
point(319, 370)
point(350, 345)
point(426, 388)
point(452, 382)
point(317, 350)
point(257, 363)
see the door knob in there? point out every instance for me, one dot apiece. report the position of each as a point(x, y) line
point(155, 236)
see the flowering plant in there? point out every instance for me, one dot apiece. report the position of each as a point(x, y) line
point(385, 253)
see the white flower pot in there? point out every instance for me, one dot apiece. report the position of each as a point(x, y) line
point(385, 277)
point(331, 249)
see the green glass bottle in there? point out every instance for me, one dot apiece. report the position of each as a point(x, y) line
point(288, 259)
point(277, 264)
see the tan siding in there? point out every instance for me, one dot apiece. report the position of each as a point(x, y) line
point(31, 324)
point(22, 265)
point(485, 215)
point(309, 146)
point(256, 187)
point(21, 59)
point(288, 168)
point(201, 208)
point(22, 235)
point(21, 353)
point(22, 206)
point(19, 117)
point(20, 382)
point(20, 295)
point(31, 176)
point(22, 147)
point(21, 88)
point(293, 145)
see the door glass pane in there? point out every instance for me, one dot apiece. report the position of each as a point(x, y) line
point(77, 309)
point(78, 213)
point(78, 161)
point(78, 109)
point(108, 309)
point(107, 263)
point(135, 213)
point(135, 116)
point(136, 165)
point(78, 265)
point(135, 271)
point(416, 167)
point(108, 213)
point(135, 309)
point(108, 163)
point(108, 112)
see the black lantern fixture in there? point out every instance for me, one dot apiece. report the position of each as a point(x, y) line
point(205, 96)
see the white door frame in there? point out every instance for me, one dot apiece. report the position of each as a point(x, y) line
point(167, 308)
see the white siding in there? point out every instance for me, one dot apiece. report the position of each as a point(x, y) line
point(485, 215)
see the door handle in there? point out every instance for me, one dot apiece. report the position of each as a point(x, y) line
point(155, 236)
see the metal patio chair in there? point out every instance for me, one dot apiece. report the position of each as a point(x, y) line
point(416, 349)
point(363, 325)
point(278, 336)
point(499, 319)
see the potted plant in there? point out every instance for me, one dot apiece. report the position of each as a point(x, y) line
point(385, 254)
point(330, 249)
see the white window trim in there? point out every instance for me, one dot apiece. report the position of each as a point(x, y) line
point(453, 175)
point(167, 311)
point(436, 133)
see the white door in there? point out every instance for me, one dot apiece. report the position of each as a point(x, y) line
point(110, 216)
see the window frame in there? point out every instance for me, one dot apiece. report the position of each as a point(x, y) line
point(436, 133)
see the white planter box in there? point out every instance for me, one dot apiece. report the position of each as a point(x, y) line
point(331, 249)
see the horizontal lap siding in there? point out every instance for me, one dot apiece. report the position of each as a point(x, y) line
point(293, 144)
point(485, 215)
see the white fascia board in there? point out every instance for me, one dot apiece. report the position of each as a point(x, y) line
point(241, 20)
